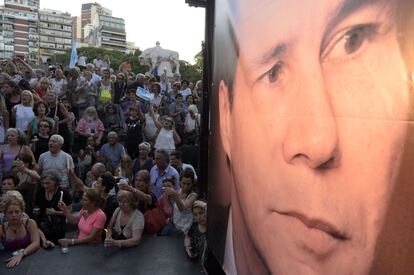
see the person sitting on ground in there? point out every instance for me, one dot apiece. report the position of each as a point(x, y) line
point(23, 168)
point(165, 202)
point(183, 201)
point(127, 223)
point(195, 238)
point(142, 190)
point(105, 185)
point(91, 219)
point(161, 170)
point(51, 219)
point(19, 232)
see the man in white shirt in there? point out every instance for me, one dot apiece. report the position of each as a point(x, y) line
point(56, 160)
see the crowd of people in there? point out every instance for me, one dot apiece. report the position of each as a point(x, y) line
point(113, 152)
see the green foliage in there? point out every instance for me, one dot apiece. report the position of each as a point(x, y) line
point(115, 56)
point(189, 72)
point(198, 62)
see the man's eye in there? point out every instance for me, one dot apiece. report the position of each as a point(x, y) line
point(350, 42)
point(274, 74)
point(353, 39)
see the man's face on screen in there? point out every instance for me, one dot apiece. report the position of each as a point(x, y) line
point(315, 130)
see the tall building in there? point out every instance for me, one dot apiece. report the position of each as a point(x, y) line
point(76, 28)
point(101, 29)
point(111, 33)
point(19, 33)
point(30, 5)
point(55, 29)
point(90, 12)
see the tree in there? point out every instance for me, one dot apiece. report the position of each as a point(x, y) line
point(189, 72)
point(198, 62)
point(116, 57)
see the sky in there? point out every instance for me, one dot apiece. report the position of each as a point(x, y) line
point(173, 23)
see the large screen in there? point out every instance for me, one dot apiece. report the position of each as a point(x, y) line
point(312, 150)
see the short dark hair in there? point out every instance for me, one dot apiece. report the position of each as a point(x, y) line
point(108, 181)
point(177, 154)
point(26, 158)
point(36, 105)
point(178, 95)
point(15, 179)
point(188, 173)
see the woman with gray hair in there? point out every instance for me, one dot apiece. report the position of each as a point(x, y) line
point(127, 223)
point(15, 143)
point(90, 126)
point(143, 161)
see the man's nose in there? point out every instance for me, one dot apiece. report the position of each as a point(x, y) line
point(311, 136)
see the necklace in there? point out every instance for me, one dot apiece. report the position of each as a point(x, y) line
point(15, 229)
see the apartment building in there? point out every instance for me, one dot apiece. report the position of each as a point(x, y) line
point(19, 32)
point(55, 33)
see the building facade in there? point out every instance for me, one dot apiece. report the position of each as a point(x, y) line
point(19, 31)
point(55, 33)
point(111, 33)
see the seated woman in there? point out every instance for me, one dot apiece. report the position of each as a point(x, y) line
point(146, 198)
point(91, 219)
point(183, 201)
point(19, 232)
point(195, 238)
point(51, 219)
point(23, 168)
point(127, 223)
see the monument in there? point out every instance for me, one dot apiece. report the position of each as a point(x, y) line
point(162, 61)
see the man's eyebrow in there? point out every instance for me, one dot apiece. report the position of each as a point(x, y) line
point(273, 53)
point(345, 9)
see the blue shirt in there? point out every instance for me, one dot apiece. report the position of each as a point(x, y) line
point(113, 154)
point(157, 178)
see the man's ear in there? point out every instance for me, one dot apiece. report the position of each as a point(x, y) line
point(224, 113)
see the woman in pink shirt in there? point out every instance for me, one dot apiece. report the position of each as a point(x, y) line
point(91, 219)
point(90, 126)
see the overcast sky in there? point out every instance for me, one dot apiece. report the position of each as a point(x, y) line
point(176, 25)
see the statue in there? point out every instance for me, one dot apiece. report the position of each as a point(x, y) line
point(162, 61)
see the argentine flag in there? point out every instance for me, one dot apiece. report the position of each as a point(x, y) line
point(73, 56)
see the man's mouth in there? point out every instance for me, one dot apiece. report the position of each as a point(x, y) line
point(319, 224)
point(315, 236)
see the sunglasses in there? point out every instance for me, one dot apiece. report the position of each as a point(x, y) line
point(44, 126)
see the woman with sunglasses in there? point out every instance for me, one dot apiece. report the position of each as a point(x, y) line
point(40, 141)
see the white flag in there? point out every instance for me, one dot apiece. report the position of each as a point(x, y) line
point(73, 56)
